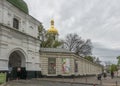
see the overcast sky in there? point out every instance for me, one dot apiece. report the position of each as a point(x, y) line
point(98, 20)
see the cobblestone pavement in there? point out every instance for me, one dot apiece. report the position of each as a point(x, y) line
point(86, 81)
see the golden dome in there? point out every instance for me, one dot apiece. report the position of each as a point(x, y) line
point(52, 29)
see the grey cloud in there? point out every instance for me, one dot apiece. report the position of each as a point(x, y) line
point(98, 20)
point(105, 54)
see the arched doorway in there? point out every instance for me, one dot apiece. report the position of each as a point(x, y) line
point(17, 62)
point(16, 59)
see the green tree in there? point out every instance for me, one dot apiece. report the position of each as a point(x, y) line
point(90, 58)
point(118, 60)
point(113, 68)
point(41, 32)
point(47, 40)
point(93, 59)
point(50, 43)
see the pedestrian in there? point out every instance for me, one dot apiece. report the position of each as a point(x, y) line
point(112, 74)
point(99, 77)
point(104, 75)
point(18, 73)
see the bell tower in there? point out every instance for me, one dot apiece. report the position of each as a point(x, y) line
point(52, 31)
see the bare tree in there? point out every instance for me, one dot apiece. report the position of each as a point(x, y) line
point(74, 42)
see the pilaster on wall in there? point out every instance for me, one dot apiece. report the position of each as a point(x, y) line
point(72, 66)
point(58, 66)
point(3, 56)
point(44, 65)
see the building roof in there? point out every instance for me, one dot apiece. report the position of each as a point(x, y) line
point(20, 4)
point(58, 50)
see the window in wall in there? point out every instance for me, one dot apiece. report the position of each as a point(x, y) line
point(65, 65)
point(16, 23)
point(76, 66)
point(31, 27)
point(51, 65)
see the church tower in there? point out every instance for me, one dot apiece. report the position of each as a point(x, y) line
point(52, 31)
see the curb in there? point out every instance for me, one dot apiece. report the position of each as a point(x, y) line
point(70, 82)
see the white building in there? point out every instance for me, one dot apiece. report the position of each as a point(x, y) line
point(19, 45)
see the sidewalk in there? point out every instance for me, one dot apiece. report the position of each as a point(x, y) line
point(111, 82)
point(88, 80)
point(83, 81)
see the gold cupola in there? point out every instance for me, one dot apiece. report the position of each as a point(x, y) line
point(52, 29)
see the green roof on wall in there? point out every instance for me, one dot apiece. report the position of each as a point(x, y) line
point(20, 4)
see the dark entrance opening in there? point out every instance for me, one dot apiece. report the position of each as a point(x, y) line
point(17, 69)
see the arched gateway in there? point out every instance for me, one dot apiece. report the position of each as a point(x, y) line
point(17, 64)
point(17, 59)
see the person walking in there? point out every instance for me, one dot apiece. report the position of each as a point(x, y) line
point(18, 73)
point(112, 74)
point(104, 75)
point(99, 76)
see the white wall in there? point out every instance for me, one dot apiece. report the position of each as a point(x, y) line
point(27, 23)
point(10, 40)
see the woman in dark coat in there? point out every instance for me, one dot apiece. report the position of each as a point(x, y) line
point(112, 74)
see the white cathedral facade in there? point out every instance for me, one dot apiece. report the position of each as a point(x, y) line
point(19, 45)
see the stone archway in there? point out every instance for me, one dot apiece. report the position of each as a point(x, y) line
point(16, 59)
point(17, 64)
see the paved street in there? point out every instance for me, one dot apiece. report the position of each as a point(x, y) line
point(89, 81)
point(41, 83)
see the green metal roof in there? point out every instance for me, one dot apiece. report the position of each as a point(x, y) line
point(20, 4)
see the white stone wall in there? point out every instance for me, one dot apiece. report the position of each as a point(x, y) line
point(44, 64)
point(12, 40)
point(88, 68)
point(118, 73)
point(84, 67)
point(27, 23)
point(24, 39)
